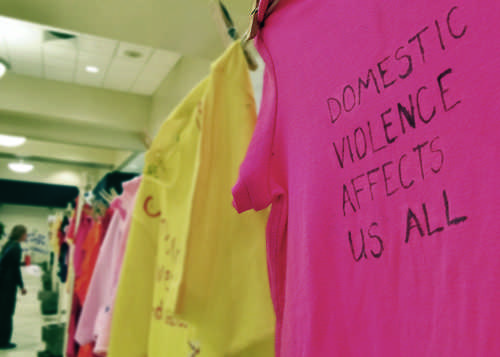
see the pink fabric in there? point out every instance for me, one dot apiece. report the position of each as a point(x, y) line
point(78, 255)
point(99, 284)
point(96, 310)
point(104, 319)
point(377, 146)
point(76, 309)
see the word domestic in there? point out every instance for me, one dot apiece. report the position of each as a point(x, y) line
point(397, 67)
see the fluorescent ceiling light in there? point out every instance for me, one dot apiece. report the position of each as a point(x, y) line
point(3, 69)
point(92, 69)
point(20, 167)
point(4, 66)
point(11, 141)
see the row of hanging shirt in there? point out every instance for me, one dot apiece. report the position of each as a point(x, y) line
point(178, 272)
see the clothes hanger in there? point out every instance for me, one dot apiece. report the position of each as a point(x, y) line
point(233, 33)
point(114, 194)
point(254, 23)
point(106, 196)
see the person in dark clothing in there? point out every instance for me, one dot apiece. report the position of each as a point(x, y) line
point(10, 280)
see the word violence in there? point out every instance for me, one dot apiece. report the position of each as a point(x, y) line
point(394, 123)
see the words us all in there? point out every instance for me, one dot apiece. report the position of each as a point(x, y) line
point(419, 223)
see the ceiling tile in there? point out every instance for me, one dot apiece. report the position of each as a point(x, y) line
point(97, 45)
point(20, 33)
point(55, 43)
point(59, 55)
point(24, 54)
point(32, 51)
point(89, 79)
point(59, 73)
point(23, 40)
point(54, 55)
point(27, 68)
point(90, 59)
point(51, 64)
point(155, 70)
point(23, 51)
point(122, 74)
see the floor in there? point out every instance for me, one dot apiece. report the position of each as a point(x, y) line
point(28, 321)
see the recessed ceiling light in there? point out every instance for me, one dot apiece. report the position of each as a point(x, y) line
point(4, 66)
point(11, 141)
point(20, 167)
point(92, 69)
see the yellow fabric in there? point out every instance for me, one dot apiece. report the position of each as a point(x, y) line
point(224, 289)
point(189, 254)
point(141, 325)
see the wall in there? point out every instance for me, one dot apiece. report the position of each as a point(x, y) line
point(35, 219)
point(74, 103)
point(68, 175)
point(186, 74)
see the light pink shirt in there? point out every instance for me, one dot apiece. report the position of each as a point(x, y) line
point(377, 146)
point(93, 325)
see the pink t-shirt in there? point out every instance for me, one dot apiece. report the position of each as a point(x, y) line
point(377, 146)
point(93, 325)
point(78, 254)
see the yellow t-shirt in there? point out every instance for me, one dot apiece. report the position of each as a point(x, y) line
point(189, 253)
point(141, 325)
point(221, 285)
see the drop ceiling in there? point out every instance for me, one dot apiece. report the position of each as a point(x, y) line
point(39, 51)
point(80, 123)
point(185, 27)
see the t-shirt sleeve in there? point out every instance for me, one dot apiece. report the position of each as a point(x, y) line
point(253, 188)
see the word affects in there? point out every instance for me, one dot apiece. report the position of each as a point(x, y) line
point(392, 176)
